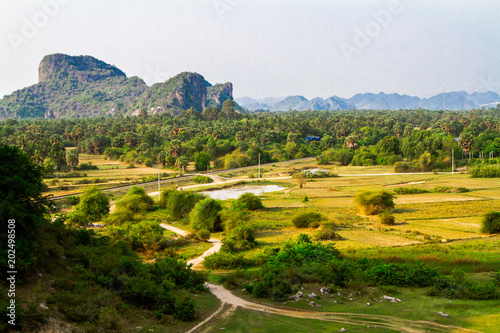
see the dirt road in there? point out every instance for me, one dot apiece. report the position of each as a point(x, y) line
point(378, 321)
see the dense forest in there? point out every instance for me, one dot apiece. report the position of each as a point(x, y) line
point(411, 139)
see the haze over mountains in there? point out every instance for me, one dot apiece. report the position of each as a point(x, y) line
point(83, 86)
point(460, 100)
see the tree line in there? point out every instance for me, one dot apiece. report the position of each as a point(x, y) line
point(223, 138)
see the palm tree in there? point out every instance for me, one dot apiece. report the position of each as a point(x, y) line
point(175, 148)
point(181, 163)
point(465, 142)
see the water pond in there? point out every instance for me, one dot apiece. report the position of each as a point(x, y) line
point(237, 191)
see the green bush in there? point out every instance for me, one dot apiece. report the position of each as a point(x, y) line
point(234, 216)
point(72, 200)
point(326, 233)
point(491, 223)
point(251, 201)
point(386, 218)
point(410, 190)
point(307, 220)
point(140, 235)
point(204, 234)
point(403, 167)
point(206, 215)
point(184, 310)
point(226, 260)
point(165, 197)
point(484, 171)
point(131, 207)
point(374, 202)
point(241, 238)
point(77, 218)
point(180, 203)
point(202, 179)
point(93, 203)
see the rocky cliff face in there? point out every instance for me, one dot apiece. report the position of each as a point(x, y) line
point(219, 93)
point(80, 68)
point(84, 86)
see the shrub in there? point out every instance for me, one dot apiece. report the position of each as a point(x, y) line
point(93, 203)
point(307, 220)
point(72, 200)
point(225, 260)
point(180, 203)
point(184, 310)
point(202, 179)
point(87, 166)
point(402, 167)
point(240, 238)
point(131, 207)
point(484, 171)
point(374, 202)
point(77, 218)
point(386, 218)
point(204, 234)
point(234, 216)
point(165, 197)
point(251, 201)
point(425, 161)
point(326, 232)
point(410, 190)
point(206, 215)
point(140, 235)
point(491, 223)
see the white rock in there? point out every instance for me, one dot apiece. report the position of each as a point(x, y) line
point(312, 295)
point(443, 314)
point(324, 290)
point(314, 305)
point(391, 299)
point(343, 330)
point(43, 306)
point(368, 304)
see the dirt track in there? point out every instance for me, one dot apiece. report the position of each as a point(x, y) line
point(378, 321)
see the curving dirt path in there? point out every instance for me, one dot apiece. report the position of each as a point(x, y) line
point(379, 321)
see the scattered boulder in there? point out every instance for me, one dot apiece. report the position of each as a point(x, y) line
point(391, 299)
point(443, 314)
point(43, 306)
point(343, 330)
point(368, 304)
point(313, 295)
point(314, 305)
point(325, 290)
point(297, 297)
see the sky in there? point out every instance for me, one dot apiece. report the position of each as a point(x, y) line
point(315, 48)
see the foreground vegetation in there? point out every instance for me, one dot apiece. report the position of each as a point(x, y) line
point(426, 238)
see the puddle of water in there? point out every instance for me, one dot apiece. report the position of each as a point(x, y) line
point(236, 192)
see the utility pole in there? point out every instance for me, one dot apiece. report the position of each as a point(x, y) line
point(259, 165)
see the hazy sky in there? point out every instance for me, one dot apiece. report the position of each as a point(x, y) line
point(266, 48)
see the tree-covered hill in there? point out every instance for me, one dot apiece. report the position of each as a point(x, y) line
point(83, 86)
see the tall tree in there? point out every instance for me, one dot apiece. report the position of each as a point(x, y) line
point(72, 158)
point(22, 205)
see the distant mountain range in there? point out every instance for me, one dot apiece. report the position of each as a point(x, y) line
point(83, 86)
point(459, 100)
